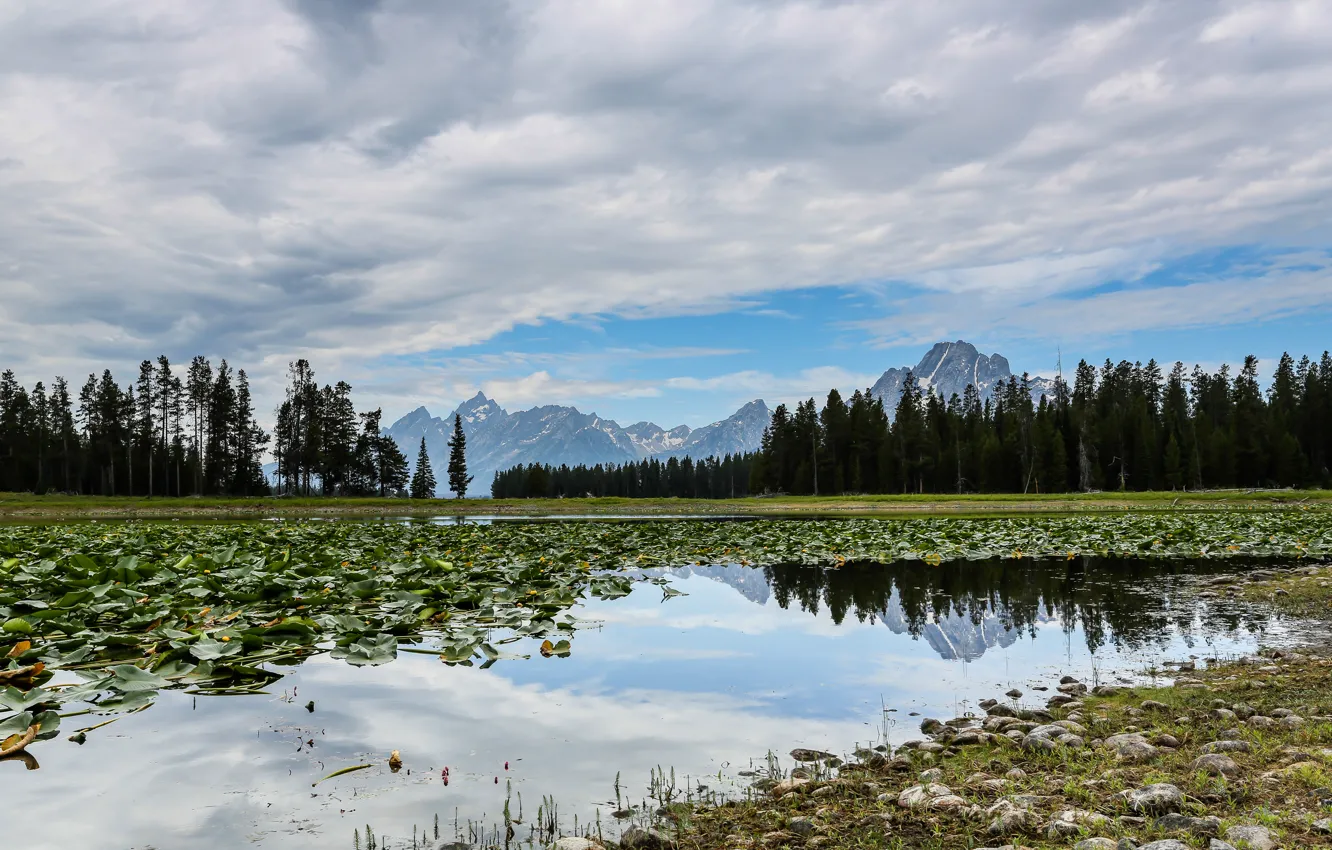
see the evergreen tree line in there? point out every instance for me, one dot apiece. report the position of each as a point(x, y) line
point(165, 434)
point(324, 447)
point(684, 478)
point(1126, 426)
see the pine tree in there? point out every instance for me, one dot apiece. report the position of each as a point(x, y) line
point(458, 477)
point(423, 479)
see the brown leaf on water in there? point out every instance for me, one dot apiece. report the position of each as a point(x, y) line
point(15, 744)
point(547, 649)
point(395, 761)
point(20, 648)
point(21, 675)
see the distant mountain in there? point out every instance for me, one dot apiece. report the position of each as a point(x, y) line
point(742, 431)
point(497, 439)
point(948, 368)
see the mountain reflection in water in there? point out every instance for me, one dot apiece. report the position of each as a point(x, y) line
point(963, 609)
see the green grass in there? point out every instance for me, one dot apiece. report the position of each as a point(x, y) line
point(25, 505)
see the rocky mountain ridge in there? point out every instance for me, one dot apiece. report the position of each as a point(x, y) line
point(498, 439)
point(947, 368)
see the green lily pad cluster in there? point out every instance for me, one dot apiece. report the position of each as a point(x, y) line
point(129, 609)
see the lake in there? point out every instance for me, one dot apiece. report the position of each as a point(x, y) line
point(746, 661)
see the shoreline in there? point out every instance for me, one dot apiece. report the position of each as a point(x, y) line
point(27, 507)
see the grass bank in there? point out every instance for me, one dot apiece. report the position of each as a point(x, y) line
point(1238, 754)
point(25, 506)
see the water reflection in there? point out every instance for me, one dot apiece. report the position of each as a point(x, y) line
point(961, 609)
point(749, 660)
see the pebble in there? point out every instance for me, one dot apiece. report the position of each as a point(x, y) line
point(1131, 747)
point(1227, 747)
point(1158, 798)
point(1216, 764)
point(1251, 838)
point(1183, 823)
point(802, 826)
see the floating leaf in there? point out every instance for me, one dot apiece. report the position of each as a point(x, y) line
point(342, 772)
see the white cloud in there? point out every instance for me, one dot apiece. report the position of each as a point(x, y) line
point(362, 180)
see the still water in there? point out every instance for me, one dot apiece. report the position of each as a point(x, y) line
point(747, 661)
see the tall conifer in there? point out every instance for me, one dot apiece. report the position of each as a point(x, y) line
point(458, 477)
point(423, 479)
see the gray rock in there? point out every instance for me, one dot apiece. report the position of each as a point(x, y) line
point(1014, 693)
point(1243, 710)
point(575, 843)
point(1097, 844)
point(1215, 764)
point(1056, 829)
point(948, 802)
point(1323, 826)
point(1001, 710)
point(803, 826)
point(920, 795)
point(638, 838)
point(1218, 844)
point(1105, 690)
point(1227, 747)
point(930, 725)
point(934, 774)
point(1131, 747)
point(1225, 715)
point(1153, 705)
point(1011, 821)
point(811, 755)
point(1174, 822)
point(1039, 743)
point(1075, 689)
point(1159, 798)
point(1259, 721)
point(1168, 844)
point(1251, 838)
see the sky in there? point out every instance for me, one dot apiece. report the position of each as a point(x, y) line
point(657, 209)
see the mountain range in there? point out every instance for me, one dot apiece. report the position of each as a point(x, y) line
point(498, 439)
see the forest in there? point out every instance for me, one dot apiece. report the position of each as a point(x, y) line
point(191, 431)
point(681, 478)
point(1126, 426)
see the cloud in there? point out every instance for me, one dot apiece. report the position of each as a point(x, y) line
point(541, 388)
point(1250, 291)
point(798, 386)
point(374, 180)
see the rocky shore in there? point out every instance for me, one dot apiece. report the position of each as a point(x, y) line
point(1232, 755)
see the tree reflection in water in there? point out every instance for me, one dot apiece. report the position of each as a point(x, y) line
point(965, 607)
